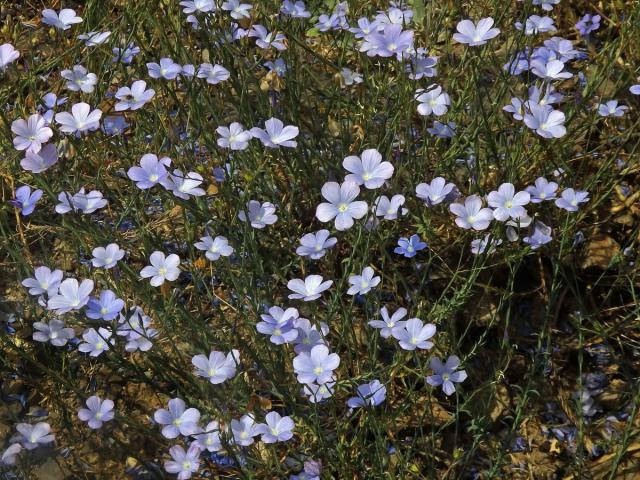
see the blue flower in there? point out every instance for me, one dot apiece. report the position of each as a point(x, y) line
point(369, 394)
point(410, 247)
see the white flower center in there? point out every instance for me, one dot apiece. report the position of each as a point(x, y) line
point(343, 207)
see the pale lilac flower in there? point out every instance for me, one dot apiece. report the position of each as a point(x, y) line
point(183, 186)
point(414, 334)
point(546, 4)
point(435, 192)
point(97, 412)
point(546, 121)
point(162, 268)
point(571, 199)
point(93, 39)
point(507, 203)
point(72, 296)
point(365, 27)
point(88, 202)
point(62, 20)
point(31, 134)
point(214, 74)
point(214, 247)
point(244, 430)
point(363, 283)
point(279, 324)
point(8, 54)
point(53, 332)
point(471, 214)
point(315, 245)
point(106, 307)
point(387, 324)
point(541, 235)
point(40, 161)
point(486, 245)
point(543, 190)
point(44, 281)
point(635, 89)
point(369, 170)
point(177, 420)
point(316, 366)
point(234, 137)
point(114, 125)
point(395, 15)
point(475, 34)
point(390, 209)
point(370, 394)
point(447, 374)
point(266, 39)
point(79, 79)
point(421, 67)
point(126, 54)
point(188, 71)
point(317, 393)
point(342, 205)
point(209, 438)
point(32, 436)
point(81, 119)
point(433, 101)
point(349, 77)
point(309, 335)
point(443, 130)
point(81, 201)
point(9, 455)
point(611, 109)
point(96, 342)
point(198, 6)
point(49, 103)
point(150, 172)
point(551, 70)
point(275, 134)
point(107, 257)
point(308, 290)
point(536, 24)
point(25, 201)
point(237, 10)
point(276, 429)
point(218, 367)
point(137, 331)
point(328, 22)
point(133, 98)
point(259, 215)
point(183, 463)
point(563, 49)
point(279, 66)
point(516, 108)
point(166, 69)
point(391, 41)
point(409, 247)
point(587, 24)
point(295, 9)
